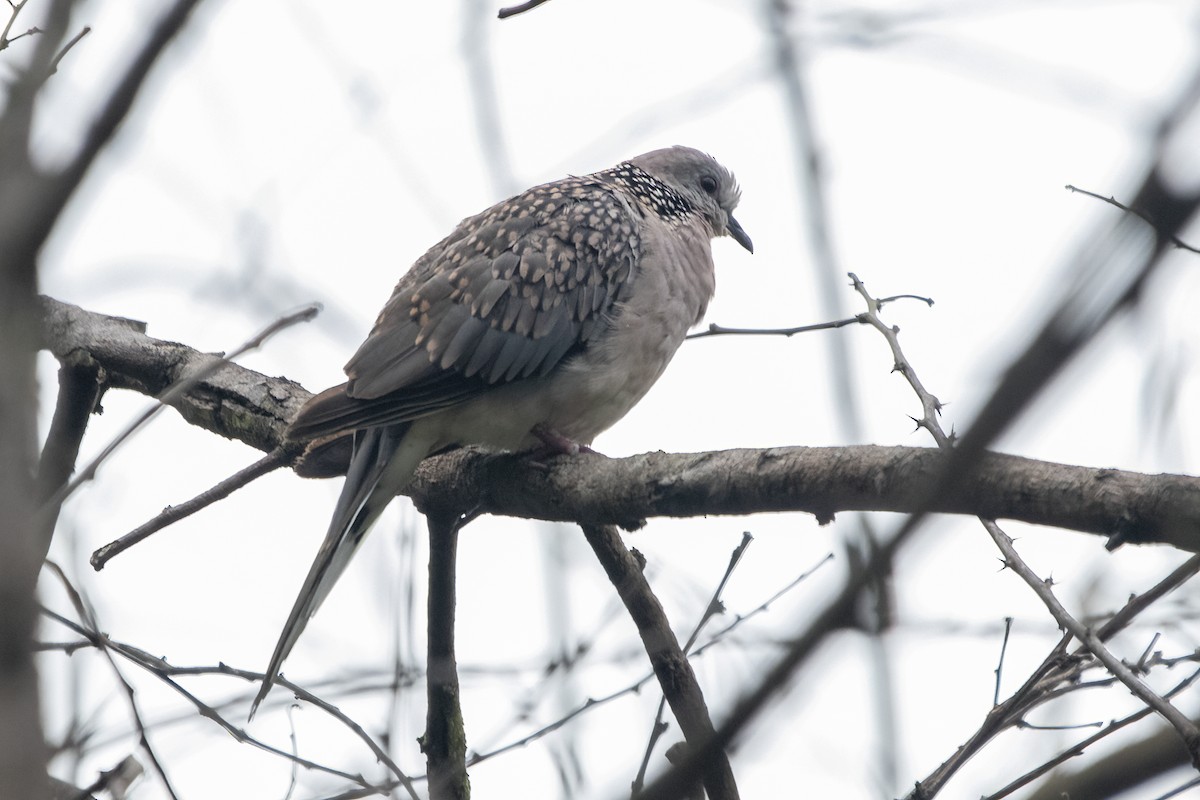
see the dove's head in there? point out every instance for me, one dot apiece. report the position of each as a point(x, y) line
point(707, 186)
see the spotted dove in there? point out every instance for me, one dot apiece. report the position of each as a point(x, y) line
point(543, 319)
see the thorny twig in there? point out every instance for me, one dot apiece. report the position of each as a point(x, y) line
point(1091, 640)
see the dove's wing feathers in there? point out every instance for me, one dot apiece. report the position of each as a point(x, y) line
point(508, 295)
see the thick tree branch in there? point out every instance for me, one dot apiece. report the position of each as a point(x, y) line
point(253, 408)
point(33, 200)
point(79, 388)
point(23, 754)
point(671, 666)
point(821, 481)
point(234, 402)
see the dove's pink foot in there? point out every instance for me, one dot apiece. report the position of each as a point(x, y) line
point(554, 443)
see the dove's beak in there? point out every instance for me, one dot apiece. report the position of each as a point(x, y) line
point(738, 233)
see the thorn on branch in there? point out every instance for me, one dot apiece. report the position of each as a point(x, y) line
point(1143, 662)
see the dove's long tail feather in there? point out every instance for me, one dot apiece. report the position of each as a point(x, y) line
point(384, 461)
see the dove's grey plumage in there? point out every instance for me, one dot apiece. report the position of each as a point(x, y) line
point(543, 319)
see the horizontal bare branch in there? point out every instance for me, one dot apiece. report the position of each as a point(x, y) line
point(235, 402)
point(1131, 506)
point(253, 408)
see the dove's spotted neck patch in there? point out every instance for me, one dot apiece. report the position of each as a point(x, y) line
point(667, 203)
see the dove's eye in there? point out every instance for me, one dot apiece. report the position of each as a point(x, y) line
point(709, 184)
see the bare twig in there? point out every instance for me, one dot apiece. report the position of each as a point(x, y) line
point(636, 687)
point(721, 330)
point(587, 706)
point(166, 672)
point(657, 729)
point(1008, 621)
point(16, 10)
point(1079, 748)
point(279, 457)
point(295, 770)
point(715, 606)
point(83, 609)
point(1029, 726)
point(1139, 603)
point(1179, 790)
point(762, 607)
point(521, 8)
point(66, 48)
point(1112, 201)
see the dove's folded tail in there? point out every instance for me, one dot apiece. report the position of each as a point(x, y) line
point(384, 461)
